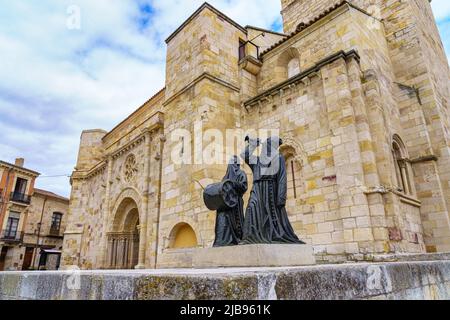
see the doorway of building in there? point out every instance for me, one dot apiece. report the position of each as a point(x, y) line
point(123, 240)
point(3, 254)
point(27, 259)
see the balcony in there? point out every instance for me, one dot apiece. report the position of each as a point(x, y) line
point(11, 236)
point(55, 232)
point(249, 58)
point(20, 198)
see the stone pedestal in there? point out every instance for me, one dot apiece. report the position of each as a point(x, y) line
point(258, 255)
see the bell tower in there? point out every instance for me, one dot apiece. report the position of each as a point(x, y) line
point(296, 11)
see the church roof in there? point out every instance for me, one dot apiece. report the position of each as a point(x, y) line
point(302, 26)
point(50, 194)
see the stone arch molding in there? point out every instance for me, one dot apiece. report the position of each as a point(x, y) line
point(174, 224)
point(128, 193)
point(287, 55)
point(291, 147)
point(284, 61)
point(396, 139)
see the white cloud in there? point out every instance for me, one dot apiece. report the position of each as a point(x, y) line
point(441, 9)
point(55, 82)
point(171, 13)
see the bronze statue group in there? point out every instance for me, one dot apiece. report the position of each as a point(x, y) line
point(266, 219)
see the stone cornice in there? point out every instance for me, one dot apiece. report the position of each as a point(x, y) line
point(129, 146)
point(427, 158)
point(159, 122)
point(98, 169)
point(403, 197)
point(101, 166)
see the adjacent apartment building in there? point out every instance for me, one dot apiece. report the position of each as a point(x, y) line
point(32, 221)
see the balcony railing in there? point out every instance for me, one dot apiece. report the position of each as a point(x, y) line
point(55, 232)
point(11, 236)
point(249, 49)
point(20, 197)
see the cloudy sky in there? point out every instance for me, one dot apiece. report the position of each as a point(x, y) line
point(57, 79)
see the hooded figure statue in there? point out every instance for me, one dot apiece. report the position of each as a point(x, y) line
point(266, 219)
point(229, 223)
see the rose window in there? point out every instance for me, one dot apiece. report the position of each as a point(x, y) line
point(131, 168)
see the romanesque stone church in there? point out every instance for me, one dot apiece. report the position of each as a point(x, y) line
point(359, 91)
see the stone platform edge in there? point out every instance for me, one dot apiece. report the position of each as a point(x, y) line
point(255, 255)
point(396, 280)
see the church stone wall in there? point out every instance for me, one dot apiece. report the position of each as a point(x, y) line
point(348, 29)
point(417, 53)
point(210, 105)
point(85, 224)
point(295, 12)
point(301, 116)
point(206, 97)
point(339, 124)
point(436, 107)
point(207, 44)
point(97, 190)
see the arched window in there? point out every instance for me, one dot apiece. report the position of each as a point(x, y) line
point(183, 237)
point(402, 166)
point(293, 67)
point(293, 178)
point(288, 65)
point(295, 189)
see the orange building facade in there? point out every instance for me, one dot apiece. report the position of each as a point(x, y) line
point(16, 189)
point(32, 221)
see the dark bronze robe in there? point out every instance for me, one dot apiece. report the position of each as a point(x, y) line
point(266, 219)
point(229, 223)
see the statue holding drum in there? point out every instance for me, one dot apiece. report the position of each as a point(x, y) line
point(226, 198)
point(266, 219)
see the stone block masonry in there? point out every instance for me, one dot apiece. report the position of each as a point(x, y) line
point(376, 281)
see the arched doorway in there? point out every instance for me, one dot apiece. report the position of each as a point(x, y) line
point(123, 240)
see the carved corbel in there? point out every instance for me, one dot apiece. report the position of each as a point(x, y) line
point(306, 81)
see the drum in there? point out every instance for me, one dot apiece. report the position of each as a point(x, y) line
point(221, 196)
